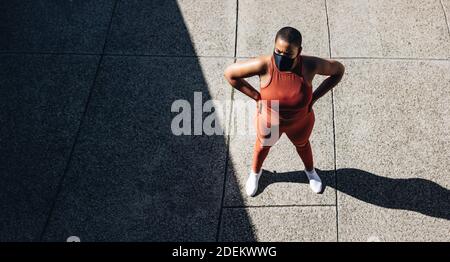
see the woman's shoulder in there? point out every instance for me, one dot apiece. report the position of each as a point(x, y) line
point(266, 60)
point(309, 63)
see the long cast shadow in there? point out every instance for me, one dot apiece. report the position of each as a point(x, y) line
point(129, 177)
point(414, 194)
point(132, 179)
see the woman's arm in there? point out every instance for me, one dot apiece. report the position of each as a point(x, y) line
point(329, 67)
point(235, 74)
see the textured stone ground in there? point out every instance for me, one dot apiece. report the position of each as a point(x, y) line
point(86, 149)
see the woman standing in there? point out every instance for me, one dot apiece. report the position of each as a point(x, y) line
point(285, 100)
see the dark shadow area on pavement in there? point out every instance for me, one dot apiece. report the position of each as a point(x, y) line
point(129, 177)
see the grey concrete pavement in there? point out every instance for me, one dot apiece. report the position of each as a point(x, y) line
point(398, 132)
point(402, 28)
point(259, 20)
point(42, 99)
point(282, 224)
point(86, 147)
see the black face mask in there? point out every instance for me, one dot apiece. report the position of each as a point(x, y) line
point(284, 63)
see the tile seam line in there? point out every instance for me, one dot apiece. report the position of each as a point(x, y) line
point(207, 56)
point(77, 134)
point(445, 17)
point(108, 54)
point(376, 58)
point(227, 158)
point(390, 58)
point(334, 131)
point(278, 206)
point(328, 29)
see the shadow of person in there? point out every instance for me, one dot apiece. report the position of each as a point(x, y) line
point(414, 194)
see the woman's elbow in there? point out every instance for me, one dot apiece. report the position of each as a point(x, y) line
point(341, 69)
point(228, 74)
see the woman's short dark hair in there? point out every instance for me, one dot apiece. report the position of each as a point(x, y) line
point(290, 35)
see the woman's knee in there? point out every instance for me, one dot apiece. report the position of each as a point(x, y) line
point(259, 147)
point(263, 148)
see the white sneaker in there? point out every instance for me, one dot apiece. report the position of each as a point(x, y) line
point(251, 186)
point(314, 181)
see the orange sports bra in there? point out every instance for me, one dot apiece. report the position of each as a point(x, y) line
point(290, 89)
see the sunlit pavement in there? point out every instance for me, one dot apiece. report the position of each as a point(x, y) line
point(87, 151)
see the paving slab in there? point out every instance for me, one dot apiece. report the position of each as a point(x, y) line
point(411, 29)
point(54, 26)
point(42, 98)
point(131, 178)
point(283, 181)
point(174, 28)
point(392, 147)
point(446, 6)
point(259, 20)
point(279, 224)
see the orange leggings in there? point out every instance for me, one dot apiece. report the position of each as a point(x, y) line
point(297, 130)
